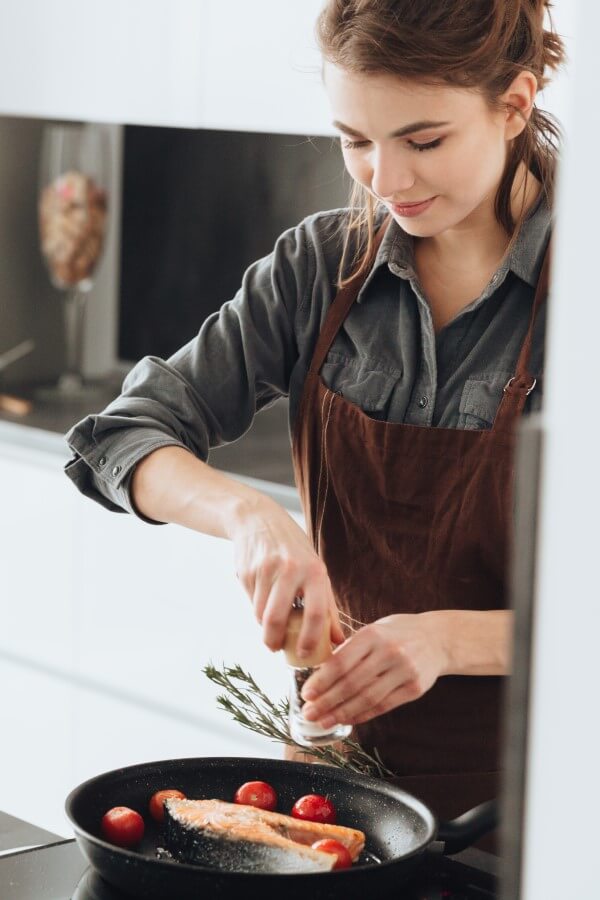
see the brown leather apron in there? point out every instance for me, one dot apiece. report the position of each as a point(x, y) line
point(407, 519)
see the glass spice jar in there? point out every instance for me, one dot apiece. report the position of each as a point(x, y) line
point(304, 732)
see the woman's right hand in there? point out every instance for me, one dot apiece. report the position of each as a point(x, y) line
point(275, 563)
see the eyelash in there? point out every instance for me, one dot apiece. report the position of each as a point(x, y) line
point(355, 145)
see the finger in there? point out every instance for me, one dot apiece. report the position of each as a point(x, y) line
point(248, 581)
point(263, 584)
point(317, 603)
point(368, 678)
point(368, 698)
point(342, 661)
point(337, 632)
point(277, 612)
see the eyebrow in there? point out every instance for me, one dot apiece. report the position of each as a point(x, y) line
point(400, 132)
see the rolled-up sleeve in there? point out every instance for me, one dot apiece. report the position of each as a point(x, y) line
point(208, 392)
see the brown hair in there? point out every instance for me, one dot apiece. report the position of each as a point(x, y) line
point(477, 44)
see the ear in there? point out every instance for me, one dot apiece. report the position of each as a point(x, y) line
point(519, 99)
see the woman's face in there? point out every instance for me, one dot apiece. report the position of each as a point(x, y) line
point(458, 158)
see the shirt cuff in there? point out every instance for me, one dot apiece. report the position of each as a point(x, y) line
point(103, 473)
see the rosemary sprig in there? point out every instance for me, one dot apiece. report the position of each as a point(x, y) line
point(254, 710)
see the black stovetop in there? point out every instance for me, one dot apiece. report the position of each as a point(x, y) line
point(59, 872)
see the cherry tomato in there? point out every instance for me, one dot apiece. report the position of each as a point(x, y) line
point(157, 803)
point(256, 793)
point(328, 845)
point(314, 808)
point(122, 826)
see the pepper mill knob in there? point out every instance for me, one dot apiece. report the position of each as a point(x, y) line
point(320, 653)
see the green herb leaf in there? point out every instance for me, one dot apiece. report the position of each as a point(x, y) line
point(247, 704)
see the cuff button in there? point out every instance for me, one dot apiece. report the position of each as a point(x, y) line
point(102, 461)
point(116, 470)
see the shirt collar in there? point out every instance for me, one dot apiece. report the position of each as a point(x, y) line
point(525, 259)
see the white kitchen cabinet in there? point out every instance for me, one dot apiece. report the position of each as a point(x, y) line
point(190, 63)
point(105, 625)
point(37, 525)
point(36, 749)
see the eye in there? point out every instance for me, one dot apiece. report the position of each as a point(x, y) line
point(353, 145)
point(421, 147)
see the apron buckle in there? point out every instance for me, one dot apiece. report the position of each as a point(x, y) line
point(510, 381)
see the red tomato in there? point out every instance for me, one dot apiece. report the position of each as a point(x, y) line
point(122, 826)
point(314, 808)
point(328, 845)
point(256, 793)
point(157, 803)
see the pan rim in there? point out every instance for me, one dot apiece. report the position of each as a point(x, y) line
point(397, 793)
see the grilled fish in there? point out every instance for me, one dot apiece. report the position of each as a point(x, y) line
point(242, 838)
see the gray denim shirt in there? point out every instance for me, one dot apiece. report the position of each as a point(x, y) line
point(387, 358)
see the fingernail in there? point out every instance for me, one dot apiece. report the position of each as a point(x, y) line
point(327, 721)
point(308, 693)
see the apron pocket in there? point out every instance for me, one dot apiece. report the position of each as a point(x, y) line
point(480, 400)
point(361, 382)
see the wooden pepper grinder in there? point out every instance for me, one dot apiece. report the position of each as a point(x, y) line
point(307, 734)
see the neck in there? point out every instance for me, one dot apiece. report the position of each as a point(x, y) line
point(480, 241)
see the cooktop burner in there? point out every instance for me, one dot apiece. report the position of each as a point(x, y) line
point(60, 872)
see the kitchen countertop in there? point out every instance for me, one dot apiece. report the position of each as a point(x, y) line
point(262, 454)
point(16, 834)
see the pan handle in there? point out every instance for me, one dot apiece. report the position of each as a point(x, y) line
point(460, 833)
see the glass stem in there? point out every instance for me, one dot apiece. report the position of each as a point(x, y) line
point(74, 306)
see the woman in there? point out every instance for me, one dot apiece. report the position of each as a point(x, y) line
point(408, 333)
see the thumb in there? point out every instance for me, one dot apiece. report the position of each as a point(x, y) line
point(337, 632)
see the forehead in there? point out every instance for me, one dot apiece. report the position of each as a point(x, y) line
point(366, 100)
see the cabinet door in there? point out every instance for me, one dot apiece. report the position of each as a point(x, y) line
point(36, 749)
point(36, 559)
point(190, 63)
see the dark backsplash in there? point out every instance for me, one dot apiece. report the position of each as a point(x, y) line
point(198, 208)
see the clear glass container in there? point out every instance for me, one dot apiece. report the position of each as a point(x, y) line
point(309, 734)
point(73, 207)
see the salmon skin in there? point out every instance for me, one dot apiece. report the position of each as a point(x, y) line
point(242, 838)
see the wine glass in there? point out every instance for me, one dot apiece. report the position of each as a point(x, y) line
point(73, 217)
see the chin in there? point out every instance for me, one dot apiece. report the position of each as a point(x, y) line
point(416, 227)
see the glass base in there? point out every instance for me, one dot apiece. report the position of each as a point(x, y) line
point(311, 734)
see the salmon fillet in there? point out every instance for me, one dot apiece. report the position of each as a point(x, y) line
point(246, 839)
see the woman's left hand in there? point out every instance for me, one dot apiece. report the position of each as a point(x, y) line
point(390, 662)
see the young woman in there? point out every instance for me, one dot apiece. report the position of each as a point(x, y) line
point(407, 331)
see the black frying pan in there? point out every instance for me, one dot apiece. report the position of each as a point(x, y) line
point(398, 827)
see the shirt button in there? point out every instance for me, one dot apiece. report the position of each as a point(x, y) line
point(116, 470)
point(423, 402)
point(102, 461)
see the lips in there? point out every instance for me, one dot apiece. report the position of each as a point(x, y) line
point(411, 210)
point(414, 203)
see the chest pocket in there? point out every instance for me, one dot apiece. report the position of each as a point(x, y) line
point(480, 399)
point(363, 382)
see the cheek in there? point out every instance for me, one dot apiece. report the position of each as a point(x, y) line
point(474, 167)
point(358, 167)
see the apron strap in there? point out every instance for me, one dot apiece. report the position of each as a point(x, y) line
point(342, 302)
point(518, 388)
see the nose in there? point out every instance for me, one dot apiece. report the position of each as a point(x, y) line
point(391, 176)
